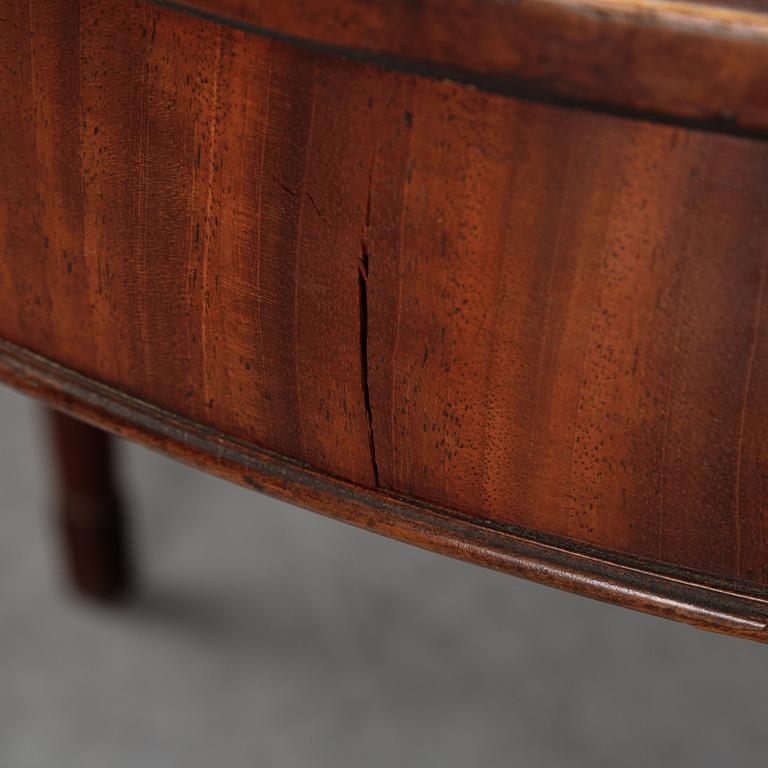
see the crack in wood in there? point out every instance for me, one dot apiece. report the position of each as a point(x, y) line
point(362, 283)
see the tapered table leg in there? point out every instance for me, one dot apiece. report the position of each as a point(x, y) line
point(90, 515)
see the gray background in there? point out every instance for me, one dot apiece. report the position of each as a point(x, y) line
point(268, 636)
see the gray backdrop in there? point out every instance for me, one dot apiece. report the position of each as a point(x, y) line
point(265, 635)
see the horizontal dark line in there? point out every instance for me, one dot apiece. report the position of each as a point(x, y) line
point(507, 85)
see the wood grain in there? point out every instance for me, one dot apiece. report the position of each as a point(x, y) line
point(706, 63)
point(533, 316)
point(160, 200)
point(567, 333)
point(673, 594)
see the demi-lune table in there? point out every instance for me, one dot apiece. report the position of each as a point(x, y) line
point(485, 276)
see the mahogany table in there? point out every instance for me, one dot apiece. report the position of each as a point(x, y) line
point(487, 277)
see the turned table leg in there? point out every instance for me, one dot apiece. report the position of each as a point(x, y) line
point(90, 517)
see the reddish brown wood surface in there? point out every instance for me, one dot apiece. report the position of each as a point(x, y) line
point(703, 62)
point(531, 315)
point(566, 330)
point(669, 593)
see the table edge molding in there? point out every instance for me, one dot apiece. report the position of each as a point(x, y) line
point(702, 67)
point(701, 604)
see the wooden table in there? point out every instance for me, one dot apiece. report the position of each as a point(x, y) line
point(485, 277)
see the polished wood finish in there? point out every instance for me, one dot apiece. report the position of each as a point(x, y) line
point(545, 322)
point(89, 509)
point(705, 63)
point(669, 593)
